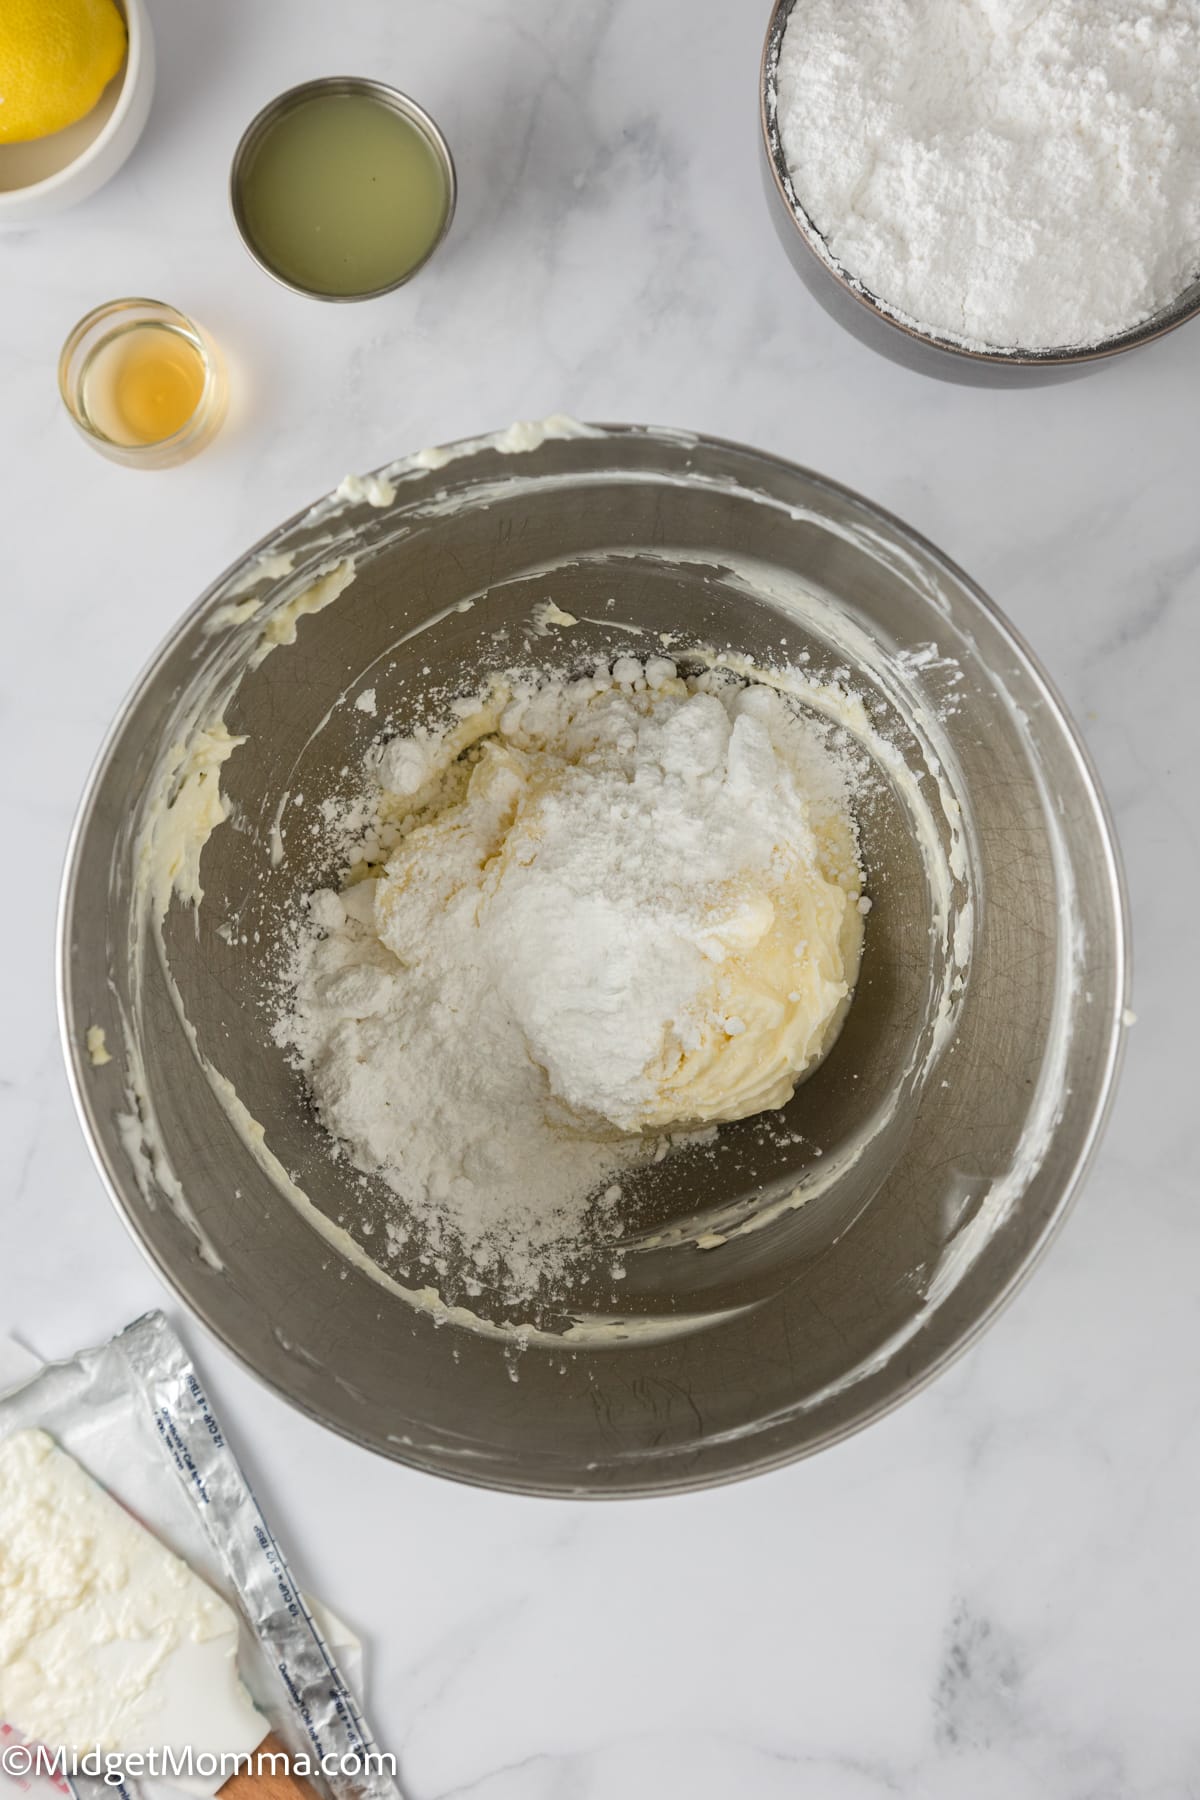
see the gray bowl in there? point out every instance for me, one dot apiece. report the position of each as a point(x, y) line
point(859, 311)
point(777, 1298)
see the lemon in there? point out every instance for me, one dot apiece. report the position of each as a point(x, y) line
point(56, 59)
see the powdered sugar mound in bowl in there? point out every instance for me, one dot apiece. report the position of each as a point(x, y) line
point(586, 919)
point(1004, 175)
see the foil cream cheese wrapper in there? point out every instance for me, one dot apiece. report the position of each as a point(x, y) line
point(135, 1414)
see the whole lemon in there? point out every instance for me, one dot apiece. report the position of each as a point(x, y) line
point(56, 59)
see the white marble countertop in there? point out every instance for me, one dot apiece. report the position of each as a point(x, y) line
point(993, 1592)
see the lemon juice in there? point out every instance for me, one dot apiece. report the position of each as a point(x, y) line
point(343, 195)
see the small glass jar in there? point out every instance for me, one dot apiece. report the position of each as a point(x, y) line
point(143, 384)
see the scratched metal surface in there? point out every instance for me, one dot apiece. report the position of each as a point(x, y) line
point(810, 1321)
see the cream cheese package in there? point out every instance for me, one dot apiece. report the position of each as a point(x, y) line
point(133, 1416)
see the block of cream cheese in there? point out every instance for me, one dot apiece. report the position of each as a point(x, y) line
point(106, 1638)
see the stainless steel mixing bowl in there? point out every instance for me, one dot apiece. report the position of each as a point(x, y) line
point(860, 312)
point(782, 1294)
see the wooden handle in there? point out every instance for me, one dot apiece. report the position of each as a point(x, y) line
point(273, 1783)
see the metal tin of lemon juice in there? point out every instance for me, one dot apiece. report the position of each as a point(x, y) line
point(343, 188)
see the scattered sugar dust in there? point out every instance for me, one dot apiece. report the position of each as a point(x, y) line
point(432, 1014)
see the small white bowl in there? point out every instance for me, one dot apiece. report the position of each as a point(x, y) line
point(48, 174)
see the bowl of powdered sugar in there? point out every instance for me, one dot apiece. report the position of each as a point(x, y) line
point(989, 191)
point(593, 960)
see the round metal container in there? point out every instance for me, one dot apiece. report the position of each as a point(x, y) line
point(751, 1328)
point(860, 312)
point(391, 97)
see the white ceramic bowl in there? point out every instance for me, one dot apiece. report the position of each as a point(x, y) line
point(50, 174)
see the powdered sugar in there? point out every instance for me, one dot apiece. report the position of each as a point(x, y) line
point(1005, 173)
point(603, 909)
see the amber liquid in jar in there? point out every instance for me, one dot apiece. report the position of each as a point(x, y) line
point(142, 384)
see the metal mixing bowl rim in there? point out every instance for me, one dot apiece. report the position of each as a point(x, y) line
point(399, 102)
point(1168, 318)
point(77, 1074)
